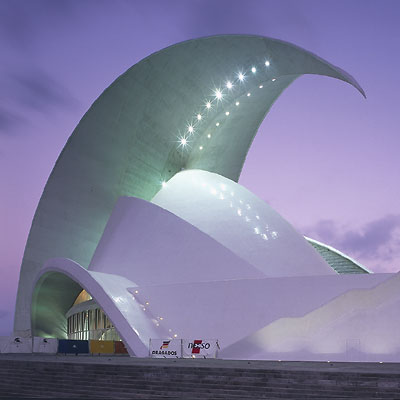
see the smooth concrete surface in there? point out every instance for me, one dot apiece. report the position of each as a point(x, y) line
point(151, 246)
point(236, 311)
point(356, 367)
point(242, 222)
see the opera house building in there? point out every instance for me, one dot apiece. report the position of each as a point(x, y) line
point(142, 231)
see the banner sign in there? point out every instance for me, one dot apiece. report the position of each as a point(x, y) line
point(168, 348)
point(15, 344)
point(204, 348)
point(45, 345)
point(73, 346)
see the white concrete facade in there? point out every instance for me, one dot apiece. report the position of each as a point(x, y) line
point(144, 212)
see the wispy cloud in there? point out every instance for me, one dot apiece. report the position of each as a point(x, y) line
point(377, 241)
point(22, 21)
point(373, 237)
point(37, 90)
point(9, 121)
point(208, 17)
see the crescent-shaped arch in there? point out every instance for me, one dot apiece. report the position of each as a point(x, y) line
point(144, 128)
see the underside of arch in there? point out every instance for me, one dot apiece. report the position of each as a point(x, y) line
point(49, 304)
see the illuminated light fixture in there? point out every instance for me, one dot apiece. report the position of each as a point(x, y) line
point(201, 148)
point(175, 335)
point(160, 318)
point(147, 303)
point(144, 308)
point(237, 103)
point(217, 124)
point(257, 216)
point(253, 70)
point(273, 79)
point(261, 86)
point(264, 236)
point(227, 113)
point(218, 94)
point(248, 94)
point(163, 184)
point(256, 230)
point(241, 76)
point(239, 212)
point(190, 129)
point(157, 324)
point(208, 105)
point(199, 117)
point(136, 291)
point(183, 142)
point(267, 63)
point(229, 85)
point(209, 136)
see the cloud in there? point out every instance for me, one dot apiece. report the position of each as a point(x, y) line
point(374, 235)
point(377, 241)
point(22, 21)
point(274, 18)
point(9, 121)
point(36, 90)
point(30, 90)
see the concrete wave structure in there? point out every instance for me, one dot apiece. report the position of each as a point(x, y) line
point(143, 212)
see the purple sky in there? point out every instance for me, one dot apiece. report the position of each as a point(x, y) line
point(325, 158)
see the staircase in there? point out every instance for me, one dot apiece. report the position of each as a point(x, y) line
point(84, 377)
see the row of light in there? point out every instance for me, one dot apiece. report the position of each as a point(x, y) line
point(156, 321)
point(256, 229)
point(218, 95)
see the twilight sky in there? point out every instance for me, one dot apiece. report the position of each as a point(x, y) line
point(325, 158)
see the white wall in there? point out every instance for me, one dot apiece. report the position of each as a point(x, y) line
point(242, 222)
point(150, 245)
point(231, 310)
point(359, 325)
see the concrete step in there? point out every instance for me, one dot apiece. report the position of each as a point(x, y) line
point(74, 380)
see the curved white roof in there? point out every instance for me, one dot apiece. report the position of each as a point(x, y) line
point(242, 222)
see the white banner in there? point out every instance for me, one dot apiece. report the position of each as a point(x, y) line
point(15, 344)
point(204, 348)
point(45, 345)
point(165, 348)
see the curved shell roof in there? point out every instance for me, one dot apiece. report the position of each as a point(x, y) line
point(144, 129)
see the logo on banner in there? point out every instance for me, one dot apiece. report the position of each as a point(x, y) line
point(165, 348)
point(165, 344)
point(198, 345)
